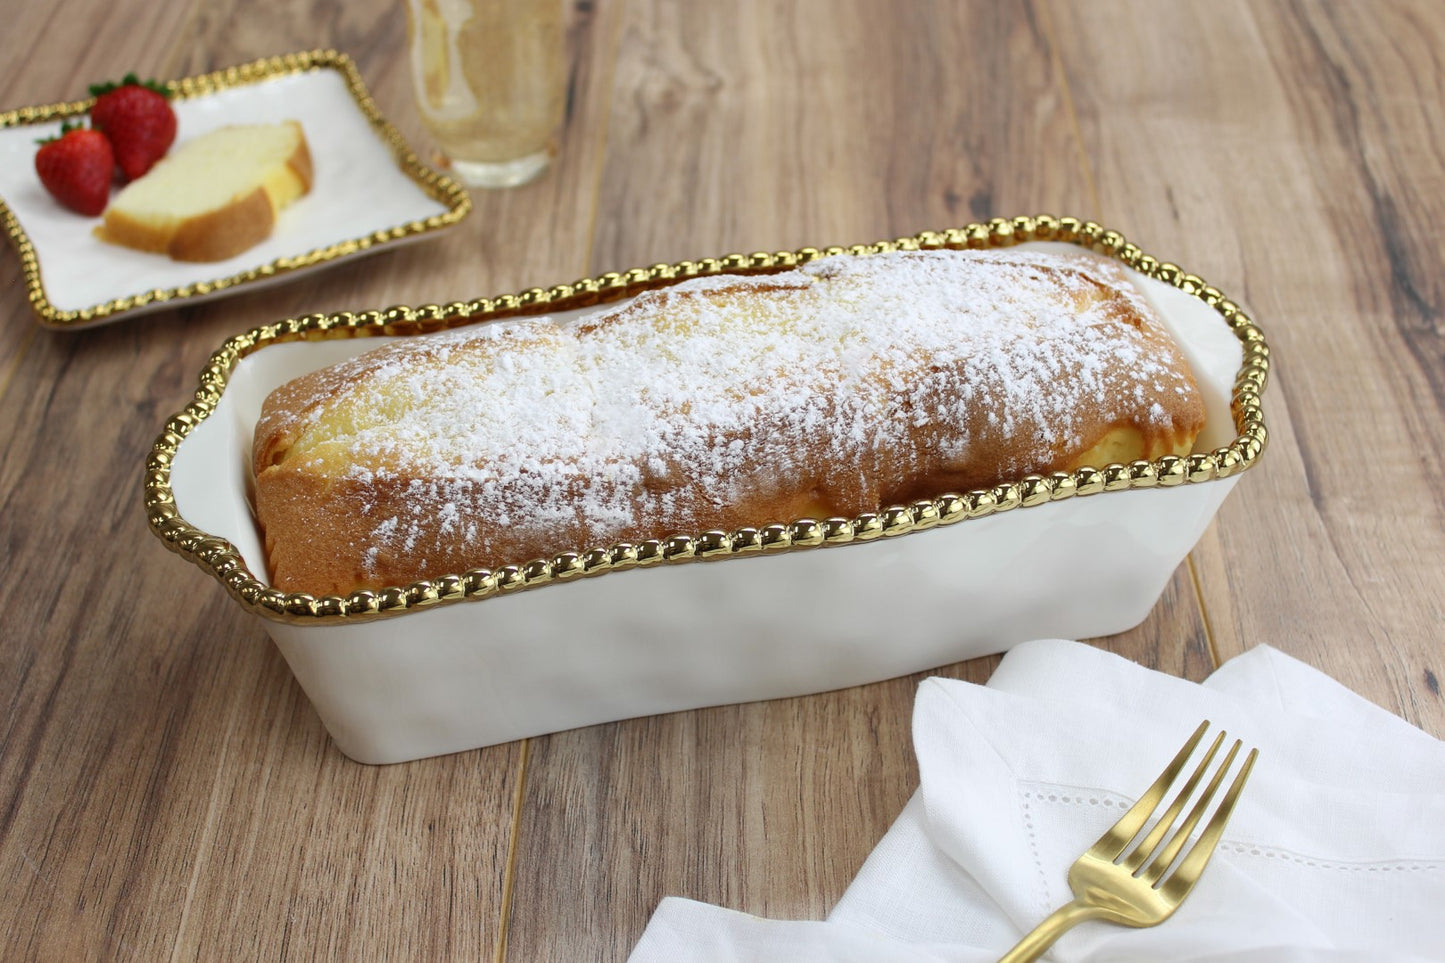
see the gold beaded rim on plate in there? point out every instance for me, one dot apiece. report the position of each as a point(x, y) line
point(436, 185)
point(220, 558)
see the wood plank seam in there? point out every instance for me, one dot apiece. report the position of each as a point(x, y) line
point(509, 874)
point(1046, 23)
point(1203, 612)
point(610, 49)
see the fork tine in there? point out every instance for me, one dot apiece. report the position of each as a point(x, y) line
point(1105, 889)
point(1156, 868)
point(1150, 843)
point(1179, 883)
point(1118, 836)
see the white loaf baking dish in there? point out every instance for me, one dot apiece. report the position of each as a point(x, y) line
point(791, 607)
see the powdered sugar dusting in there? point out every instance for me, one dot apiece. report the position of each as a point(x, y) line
point(881, 366)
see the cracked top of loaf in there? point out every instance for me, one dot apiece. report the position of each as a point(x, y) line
point(722, 402)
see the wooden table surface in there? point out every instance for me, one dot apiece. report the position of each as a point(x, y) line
point(167, 792)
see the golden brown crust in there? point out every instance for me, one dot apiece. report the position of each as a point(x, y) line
point(300, 161)
point(226, 231)
point(120, 228)
point(349, 498)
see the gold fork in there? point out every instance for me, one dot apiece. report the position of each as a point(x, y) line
point(1135, 886)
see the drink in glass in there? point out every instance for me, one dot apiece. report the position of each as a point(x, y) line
point(490, 84)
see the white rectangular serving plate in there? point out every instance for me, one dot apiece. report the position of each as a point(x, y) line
point(369, 193)
point(672, 637)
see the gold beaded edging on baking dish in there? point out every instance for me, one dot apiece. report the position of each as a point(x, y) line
point(221, 559)
point(436, 185)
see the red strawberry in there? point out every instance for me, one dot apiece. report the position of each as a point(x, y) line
point(139, 121)
point(76, 167)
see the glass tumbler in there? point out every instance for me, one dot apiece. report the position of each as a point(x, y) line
point(490, 84)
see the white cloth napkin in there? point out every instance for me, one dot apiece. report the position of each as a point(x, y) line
point(1336, 851)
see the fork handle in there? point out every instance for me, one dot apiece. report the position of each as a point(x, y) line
point(1043, 936)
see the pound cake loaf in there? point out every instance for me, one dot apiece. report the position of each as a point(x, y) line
point(215, 196)
point(720, 403)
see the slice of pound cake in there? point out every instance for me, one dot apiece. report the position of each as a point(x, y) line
point(214, 196)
